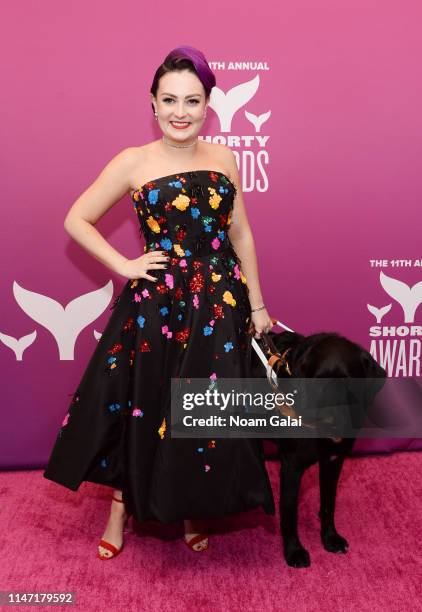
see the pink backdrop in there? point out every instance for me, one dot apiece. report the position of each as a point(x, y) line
point(325, 120)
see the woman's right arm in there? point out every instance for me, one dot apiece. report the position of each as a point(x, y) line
point(107, 189)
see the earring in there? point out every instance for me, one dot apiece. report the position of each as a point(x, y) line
point(156, 116)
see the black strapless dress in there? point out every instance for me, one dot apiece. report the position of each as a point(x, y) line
point(191, 322)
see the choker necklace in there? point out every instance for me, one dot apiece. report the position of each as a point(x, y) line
point(181, 146)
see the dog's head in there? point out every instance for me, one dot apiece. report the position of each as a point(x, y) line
point(330, 356)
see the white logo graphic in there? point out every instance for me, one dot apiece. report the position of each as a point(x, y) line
point(409, 298)
point(257, 120)
point(18, 345)
point(227, 104)
point(65, 324)
point(379, 312)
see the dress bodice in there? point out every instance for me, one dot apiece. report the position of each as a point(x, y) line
point(186, 214)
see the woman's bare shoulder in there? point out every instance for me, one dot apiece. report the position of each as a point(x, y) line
point(218, 155)
point(224, 158)
point(213, 148)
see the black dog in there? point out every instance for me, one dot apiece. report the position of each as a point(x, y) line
point(322, 355)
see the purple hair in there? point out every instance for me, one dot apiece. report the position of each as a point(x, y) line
point(183, 58)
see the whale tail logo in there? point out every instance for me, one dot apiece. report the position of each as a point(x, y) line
point(227, 104)
point(65, 324)
point(409, 298)
point(18, 345)
point(379, 312)
point(257, 120)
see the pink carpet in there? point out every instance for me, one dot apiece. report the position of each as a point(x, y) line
point(49, 537)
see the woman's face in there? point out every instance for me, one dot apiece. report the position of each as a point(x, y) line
point(180, 105)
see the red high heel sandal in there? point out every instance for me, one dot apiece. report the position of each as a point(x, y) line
point(195, 540)
point(113, 549)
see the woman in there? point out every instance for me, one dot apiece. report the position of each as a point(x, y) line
point(184, 312)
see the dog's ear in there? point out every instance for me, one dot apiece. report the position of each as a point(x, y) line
point(374, 372)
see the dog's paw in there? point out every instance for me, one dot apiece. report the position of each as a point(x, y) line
point(297, 558)
point(334, 542)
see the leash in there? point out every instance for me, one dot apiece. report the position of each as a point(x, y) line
point(274, 357)
point(273, 362)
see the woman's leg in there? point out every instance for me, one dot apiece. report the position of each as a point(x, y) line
point(114, 529)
